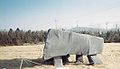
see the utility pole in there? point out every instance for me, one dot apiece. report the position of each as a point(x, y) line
point(116, 27)
point(106, 26)
point(55, 24)
point(78, 29)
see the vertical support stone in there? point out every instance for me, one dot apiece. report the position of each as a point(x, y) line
point(58, 62)
point(93, 59)
point(96, 60)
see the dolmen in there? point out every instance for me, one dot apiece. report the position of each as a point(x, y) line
point(60, 43)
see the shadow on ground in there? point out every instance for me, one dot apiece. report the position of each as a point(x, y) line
point(15, 63)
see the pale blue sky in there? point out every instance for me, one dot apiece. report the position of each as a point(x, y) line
point(42, 14)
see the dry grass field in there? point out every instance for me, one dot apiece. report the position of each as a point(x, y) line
point(10, 58)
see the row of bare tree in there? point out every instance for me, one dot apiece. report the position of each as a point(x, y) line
point(109, 36)
point(20, 37)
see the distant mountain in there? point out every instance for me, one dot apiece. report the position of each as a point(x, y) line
point(78, 29)
point(115, 29)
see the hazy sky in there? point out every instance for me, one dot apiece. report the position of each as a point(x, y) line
point(45, 14)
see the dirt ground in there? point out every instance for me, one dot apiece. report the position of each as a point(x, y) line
point(11, 56)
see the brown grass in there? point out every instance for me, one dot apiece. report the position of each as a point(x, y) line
point(10, 57)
